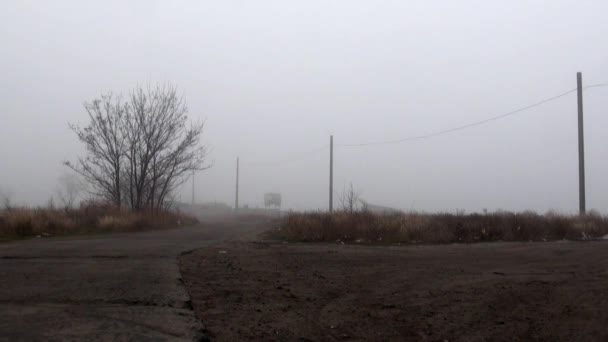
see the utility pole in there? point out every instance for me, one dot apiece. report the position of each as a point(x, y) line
point(331, 173)
point(236, 199)
point(192, 189)
point(581, 145)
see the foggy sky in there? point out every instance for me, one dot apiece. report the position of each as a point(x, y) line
point(273, 79)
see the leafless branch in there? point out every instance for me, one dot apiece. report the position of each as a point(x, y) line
point(139, 151)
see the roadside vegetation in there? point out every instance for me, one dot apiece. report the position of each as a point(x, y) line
point(367, 227)
point(138, 150)
point(91, 217)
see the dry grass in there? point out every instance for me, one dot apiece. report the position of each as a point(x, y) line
point(90, 218)
point(366, 227)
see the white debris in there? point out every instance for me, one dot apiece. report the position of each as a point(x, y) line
point(222, 252)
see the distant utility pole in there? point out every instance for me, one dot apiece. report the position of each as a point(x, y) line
point(331, 173)
point(581, 145)
point(236, 199)
point(192, 189)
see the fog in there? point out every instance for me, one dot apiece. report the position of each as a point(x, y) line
point(274, 79)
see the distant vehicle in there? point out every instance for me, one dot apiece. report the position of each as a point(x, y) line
point(272, 200)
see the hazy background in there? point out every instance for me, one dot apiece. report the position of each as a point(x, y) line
point(274, 79)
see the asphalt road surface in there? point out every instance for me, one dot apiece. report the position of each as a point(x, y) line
point(112, 287)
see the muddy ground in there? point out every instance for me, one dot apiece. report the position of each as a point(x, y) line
point(260, 291)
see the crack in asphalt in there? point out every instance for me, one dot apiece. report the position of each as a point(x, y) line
point(60, 257)
point(186, 305)
point(201, 334)
point(134, 323)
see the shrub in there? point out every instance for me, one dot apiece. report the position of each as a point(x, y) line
point(437, 228)
point(89, 218)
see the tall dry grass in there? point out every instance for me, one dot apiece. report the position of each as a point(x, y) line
point(21, 222)
point(368, 227)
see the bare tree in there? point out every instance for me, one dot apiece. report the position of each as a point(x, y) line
point(349, 199)
point(5, 198)
point(156, 148)
point(70, 188)
point(163, 147)
point(105, 147)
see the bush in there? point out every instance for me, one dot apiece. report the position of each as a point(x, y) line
point(89, 218)
point(437, 228)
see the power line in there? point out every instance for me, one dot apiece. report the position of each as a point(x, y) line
point(300, 156)
point(293, 159)
point(473, 124)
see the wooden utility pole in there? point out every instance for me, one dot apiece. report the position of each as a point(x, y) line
point(192, 189)
point(236, 199)
point(581, 146)
point(331, 173)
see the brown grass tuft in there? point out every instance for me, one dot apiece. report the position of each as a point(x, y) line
point(367, 227)
point(89, 218)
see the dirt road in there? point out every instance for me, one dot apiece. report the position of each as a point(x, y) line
point(555, 291)
point(114, 287)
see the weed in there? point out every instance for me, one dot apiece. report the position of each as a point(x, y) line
point(364, 226)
